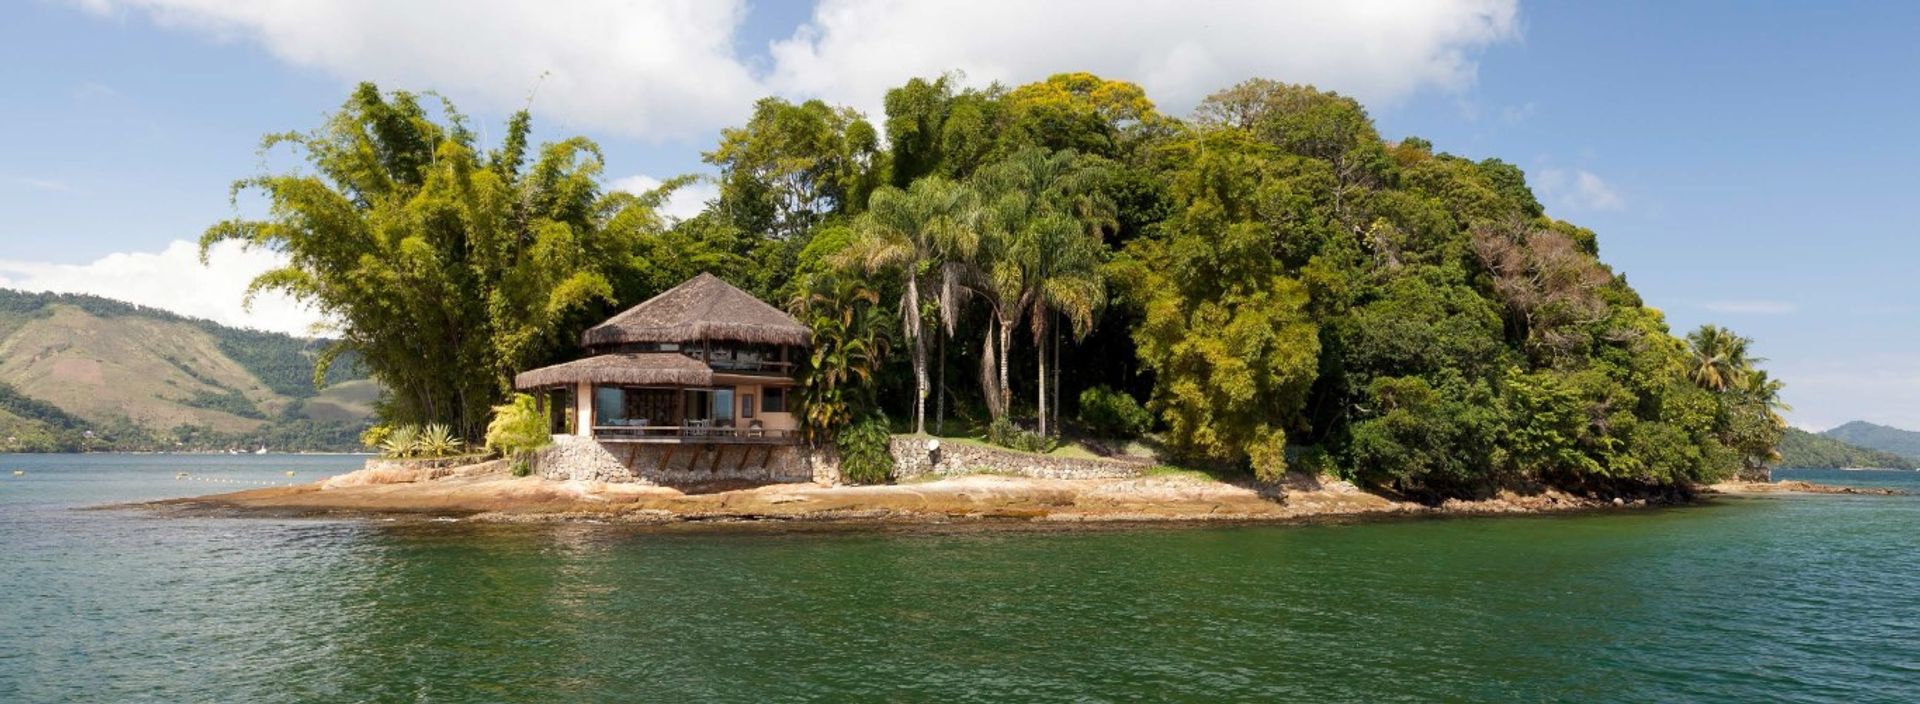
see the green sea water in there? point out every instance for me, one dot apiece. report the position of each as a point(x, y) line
point(1794, 599)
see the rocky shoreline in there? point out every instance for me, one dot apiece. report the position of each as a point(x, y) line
point(486, 493)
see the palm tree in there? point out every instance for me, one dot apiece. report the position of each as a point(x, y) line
point(1047, 217)
point(924, 235)
point(1765, 391)
point(1064, 277)
point(1718, 358)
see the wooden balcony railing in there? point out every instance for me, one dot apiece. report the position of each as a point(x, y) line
point(694, 433)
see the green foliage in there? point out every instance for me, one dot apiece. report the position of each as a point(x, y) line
point(226, 401)
point(447, 269)
point(1225, 329)
point(401, 442)
point(1113, 414)
point(1298, 294)
point(375, 436)
point(1905, 443)
point(518, 428)
point(921, 239)
point(437, 440)
point(851, 337)
point(866, 455)
point(1004, 433)
point(793, 165)
point(1425, 439)
point(1800, 449)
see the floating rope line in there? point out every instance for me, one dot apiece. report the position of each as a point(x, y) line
point(183, 476)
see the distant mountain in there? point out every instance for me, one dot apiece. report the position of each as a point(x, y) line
point(82, 372)
point(1800, 449)
point(1905, 443)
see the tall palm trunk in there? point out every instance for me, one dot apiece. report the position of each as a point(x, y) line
point(940, 399)
point(1057, 403)
point(1040, 353)
point(1006, 352)
point(989, 381)
point(913, 330)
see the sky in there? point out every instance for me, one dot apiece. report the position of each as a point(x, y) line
point(1744, 163)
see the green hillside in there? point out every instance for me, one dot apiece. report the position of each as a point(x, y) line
point(1800, 449)
point(82, 372)
point(1905, 443)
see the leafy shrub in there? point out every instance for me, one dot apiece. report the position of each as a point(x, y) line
point(1113, 414)
point(375, 436)
point(401, 442)
point(517, 430)
point(437, 441)
point(866, 456)
point(1004, 433)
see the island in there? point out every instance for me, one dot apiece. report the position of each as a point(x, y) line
point(1050, 299)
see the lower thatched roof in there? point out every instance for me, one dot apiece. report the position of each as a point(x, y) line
point(640, 369)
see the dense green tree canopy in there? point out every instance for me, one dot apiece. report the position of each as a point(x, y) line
point(447, 270)
point(1283, 287)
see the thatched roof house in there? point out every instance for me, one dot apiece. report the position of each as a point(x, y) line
point(703, 362)
point(705, 308)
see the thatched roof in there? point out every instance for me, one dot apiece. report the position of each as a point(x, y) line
point(703, 308)
point(642, 369)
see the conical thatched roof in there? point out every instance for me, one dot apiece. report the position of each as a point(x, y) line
point(703, 308)
point(642, 369)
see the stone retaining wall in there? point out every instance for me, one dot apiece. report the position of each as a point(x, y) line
point(572, 457)
point(917, 456)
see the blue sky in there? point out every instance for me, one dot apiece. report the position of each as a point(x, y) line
point(1744, 163)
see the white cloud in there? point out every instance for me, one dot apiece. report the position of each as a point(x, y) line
point(1578, 189)
point(669, 68)
point(647, 69)
point(173, 279)
point(686, 202)
point(1377, 51)
point(1751, 307)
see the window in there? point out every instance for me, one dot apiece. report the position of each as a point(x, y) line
point(746, 405)
point(773, 400)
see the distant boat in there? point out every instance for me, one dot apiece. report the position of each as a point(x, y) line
point(261, 451)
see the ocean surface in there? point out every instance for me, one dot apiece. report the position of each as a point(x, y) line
point(1779, 599)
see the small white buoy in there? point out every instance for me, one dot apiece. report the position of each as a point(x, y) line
point(19, 472)
point(289, 473)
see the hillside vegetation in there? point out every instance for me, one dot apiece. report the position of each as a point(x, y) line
point(1905, 443)
point(87, 373)
point(1803, 450)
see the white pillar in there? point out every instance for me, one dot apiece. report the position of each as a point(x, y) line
point(583, 410)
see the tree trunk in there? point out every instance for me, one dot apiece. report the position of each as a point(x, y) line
point(989, 386)
point(989, 382)
point(1058, 401)
point(940, 397)
point(913, 330)
point(1006, 355)
point(920, 384)
point(1040, 353)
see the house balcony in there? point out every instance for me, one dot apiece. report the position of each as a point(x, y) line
point(695, 432)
